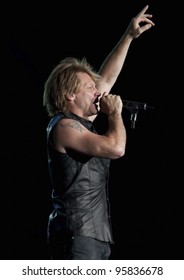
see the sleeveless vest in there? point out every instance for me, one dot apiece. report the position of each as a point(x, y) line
point(79, 190)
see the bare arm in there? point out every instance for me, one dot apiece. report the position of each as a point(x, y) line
point(114, 62)
point(71, 134)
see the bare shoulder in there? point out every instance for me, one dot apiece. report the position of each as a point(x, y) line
point(70, 133)
point(71, 125)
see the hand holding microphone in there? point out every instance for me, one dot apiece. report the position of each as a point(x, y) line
point(111, 104)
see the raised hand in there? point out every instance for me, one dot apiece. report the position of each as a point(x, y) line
point(140, 23)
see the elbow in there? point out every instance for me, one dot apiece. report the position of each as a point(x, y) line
point(119, 151)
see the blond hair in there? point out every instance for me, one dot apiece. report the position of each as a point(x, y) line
point(63, 80)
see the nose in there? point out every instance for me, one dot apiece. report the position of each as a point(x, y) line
point(98, 93)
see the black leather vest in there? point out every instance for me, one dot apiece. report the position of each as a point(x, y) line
point(80, 190)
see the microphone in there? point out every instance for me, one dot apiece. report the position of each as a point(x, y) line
point(134, 105)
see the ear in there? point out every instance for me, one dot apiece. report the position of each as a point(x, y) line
point(70, 96)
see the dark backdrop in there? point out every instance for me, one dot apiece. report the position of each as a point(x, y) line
point(146, 211)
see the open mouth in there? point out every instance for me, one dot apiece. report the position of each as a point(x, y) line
point(96, 101)
point(97, 104)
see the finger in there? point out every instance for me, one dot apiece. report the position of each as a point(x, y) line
point(104, 94)
point(147, 20)
point(145, 27)
point(142, 11)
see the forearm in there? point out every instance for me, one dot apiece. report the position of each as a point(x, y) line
point(114, 62)
point(117, 134)
point(112, 65)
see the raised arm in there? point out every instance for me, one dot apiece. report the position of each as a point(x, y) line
point(114, 62)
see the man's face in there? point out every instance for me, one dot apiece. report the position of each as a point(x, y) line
point(87, 99)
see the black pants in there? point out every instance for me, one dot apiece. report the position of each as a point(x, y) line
point(80, 248)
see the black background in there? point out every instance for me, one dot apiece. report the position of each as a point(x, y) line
point(145, 195)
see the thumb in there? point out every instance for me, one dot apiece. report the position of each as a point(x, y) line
point(104, 94)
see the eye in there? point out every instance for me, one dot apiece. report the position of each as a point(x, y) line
point(90, 87)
